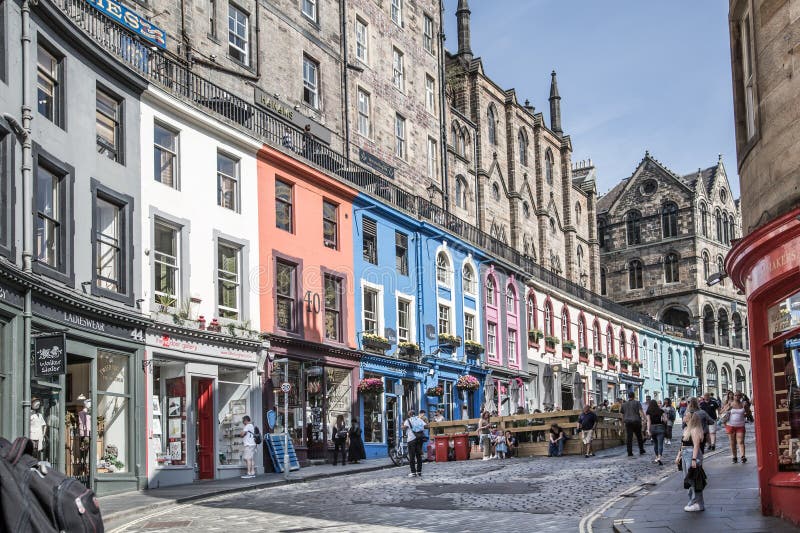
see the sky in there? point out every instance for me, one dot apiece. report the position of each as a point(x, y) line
point(633, 75)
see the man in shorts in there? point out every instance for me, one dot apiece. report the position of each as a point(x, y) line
point(249, 451)
point(710, 405)
point(586, 423)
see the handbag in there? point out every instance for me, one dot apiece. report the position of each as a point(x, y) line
point(680, 463)
point(724, 418)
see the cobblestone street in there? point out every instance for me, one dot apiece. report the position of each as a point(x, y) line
point(539, 493)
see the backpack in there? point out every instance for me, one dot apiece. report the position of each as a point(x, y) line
point(671, 413)
point(256, 435)
point(37, 499)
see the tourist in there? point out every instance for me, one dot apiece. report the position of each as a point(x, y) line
point(355, 451)
point(339, 437)
point(690, 456)
point(693, 406)
point(439, 416)
point(671, 416)
point(710, 405)
point(656, 428)
point(737, 412)
point(557, 440)
point(484, 430)
point(249, 443)
point(415, 434)
point(632, 416)
point(500, 445)
point(682, 407)
point(586, 423)
point(513, 444)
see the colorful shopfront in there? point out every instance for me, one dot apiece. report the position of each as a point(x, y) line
point(766, 265)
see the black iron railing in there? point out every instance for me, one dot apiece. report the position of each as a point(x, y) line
point(174, 76)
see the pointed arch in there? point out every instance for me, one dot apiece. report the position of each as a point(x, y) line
point(549, 326)
point(462, 192)
point(491, 123)
point(581, 331)
point(566, 326)
point(548, 166)
point(609, 339)
point(532, 312)
point(596, 346)
point(522, 146)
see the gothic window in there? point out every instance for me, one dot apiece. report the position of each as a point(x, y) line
point(601, 232)
point(669, 219)
point(671, 272)
point(578, 211)
point(603, 281)
point(635, 278)
point(548, 318)
point(718, 218)
point(596, 336)
point(565, 325)
point(725, 237)
point(492, 125)
point(708, 325)
point(491, 291)
point(548, 166)
point(461, 192)
point(495, 191)
point(522, 141)
point(633, 225)
point(526, 210)
point(581, 332)
point(623, 347)
point(721, 268)
point(704, 220)
point(732, 229)
point(579, 257)
point(532, 322)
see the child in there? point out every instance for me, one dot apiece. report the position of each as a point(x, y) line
point(501, 447)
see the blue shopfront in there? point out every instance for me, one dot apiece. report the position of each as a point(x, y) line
point(681, 386)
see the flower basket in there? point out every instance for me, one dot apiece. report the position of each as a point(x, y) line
point(598, 359)
point(612, 359)
point(584, 351)
point(468, 383)
point(434, 392)
point(551, 342)
point(473, 348)
point(375, 342)
point(449, 340)
point(534, 335)
point(408, 349)
point(370, 386)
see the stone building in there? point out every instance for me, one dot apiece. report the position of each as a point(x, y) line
point(663, 239)
point(510, 173)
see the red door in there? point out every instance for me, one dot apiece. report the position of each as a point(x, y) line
point(205, 428)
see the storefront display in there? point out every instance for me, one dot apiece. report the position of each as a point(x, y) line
point(234, 394)
point(168, 439)
point(372, 401)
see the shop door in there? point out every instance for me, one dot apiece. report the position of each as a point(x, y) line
point(391, 421)
point(80, 448)
point(205, 428)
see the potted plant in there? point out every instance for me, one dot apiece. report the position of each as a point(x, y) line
point(635, 368)
point(370, 386)
point(434, 392)
point(375, 342)
point(551, 341)
point(468, 383)
point(612, 359)
point(473, 347)
point(409, 349)
point(214, 326)
point(598, 358)
point(568, 345)
point(534, 335)
point(445, 339)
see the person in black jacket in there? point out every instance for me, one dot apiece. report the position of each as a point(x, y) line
point(355, 451)
point(339, 438)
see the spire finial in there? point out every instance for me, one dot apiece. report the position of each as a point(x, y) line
point(555, 105)
point(462, 17)
point(719, 159)
point(647, 153)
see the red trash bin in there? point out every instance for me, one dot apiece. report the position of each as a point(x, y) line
point(461, 442)
point(442, 442)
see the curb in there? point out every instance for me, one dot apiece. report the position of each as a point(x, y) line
point(120, 515)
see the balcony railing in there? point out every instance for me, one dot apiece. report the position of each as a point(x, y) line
point(173, 75)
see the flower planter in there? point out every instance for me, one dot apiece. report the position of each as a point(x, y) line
point(533, 337)
point(449, 341)
point(410, 353)
point(375, 344)
point(473, 348)
point(598, 361)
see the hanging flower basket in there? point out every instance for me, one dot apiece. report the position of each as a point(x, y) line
point(375, 342)
point(370, 386)
point(473, 348)
point(468, 383)
point(446, 340)
point(434, 392)
point(568, 345)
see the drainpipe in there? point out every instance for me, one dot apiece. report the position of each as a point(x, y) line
point(442, 116)
point(345, 79)
point(27, 209)
point(420, 281)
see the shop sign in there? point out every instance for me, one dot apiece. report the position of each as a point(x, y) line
point(375, 162)
point(289, 114)
point(780, 260)
point(201, 348)
point(84, 322)
point(50, 354)
point(10, 296)
point(679, 380)
point(131, 20)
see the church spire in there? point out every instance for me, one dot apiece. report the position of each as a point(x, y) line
point(462, 16)
point(555, 105)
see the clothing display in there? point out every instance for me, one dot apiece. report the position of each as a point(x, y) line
point(38, 430)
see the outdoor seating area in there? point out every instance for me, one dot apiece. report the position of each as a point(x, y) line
point(531, 431)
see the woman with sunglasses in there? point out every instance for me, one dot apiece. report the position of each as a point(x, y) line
point(737, 414)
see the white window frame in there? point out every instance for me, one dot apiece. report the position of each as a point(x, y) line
point(364, 109)
point(444, 273)
point(233, 12)
point(398, 70)
point(467, 317)
point(379, 318)
point(396, 8)
point(444, 304)
point(430, 93)
point(160, 258)
point(235, 179)
point(362, 41)
point(173, 152)
point(427, 33)
point(412, 325)
point(512, 346)
point(470, 287)
point(400, 150)
point(235, 279)
point(491, 340)
point(432, 164)
point(311, 86)
point(309, 9)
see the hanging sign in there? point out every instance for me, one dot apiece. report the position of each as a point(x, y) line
point(131, 20)
point(50, 354)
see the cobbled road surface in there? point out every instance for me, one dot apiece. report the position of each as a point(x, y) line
point(528, 494)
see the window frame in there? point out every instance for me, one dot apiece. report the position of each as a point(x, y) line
point(409, 323)
point(338, 310)
point(362, 46)
point(469, 326)
point(237, 281)
point(118, 120)
point(633, 227)
point(401, 259)
point(469, 283)
point(292, 296)
point(57, 79)
point(178, 270)
point(125, 207)
point(748, 77)
point(373, 235)
point(669, 220)
point(328, 221)
point(672, 275)
point(444, 269)
point(8, 197)
point(512, 347)
point(377, 292)
point(427, 33)
point(433, 169)
point(314, 15)
point(446, 319)
point(311, 88)
point(635, 274)
point(280, 202)
point(430, 94)
point(396, 12)
point(235, 179)
point(491, 122)
point(174, 153)
point(233, 48)
point(522, 141)
point(364, 120)
point(400, 149)
point(398, 70)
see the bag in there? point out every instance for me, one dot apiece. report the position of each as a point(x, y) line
point(256, 435)
point(680, 463)
point(36, 498)
point(341, 434)
point(672, 415)
point(724, 418)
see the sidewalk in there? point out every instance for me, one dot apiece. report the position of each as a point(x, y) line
point(117, 507)
point(731, 498)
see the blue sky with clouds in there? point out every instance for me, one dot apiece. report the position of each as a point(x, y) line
point(634, 75)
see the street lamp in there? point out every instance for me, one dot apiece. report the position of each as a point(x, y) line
point(715, 278)
point(285, 390)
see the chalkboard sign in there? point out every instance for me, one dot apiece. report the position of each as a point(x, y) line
point(50, 354)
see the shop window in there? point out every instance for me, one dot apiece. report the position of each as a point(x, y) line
point(338, 394)
point(112, 413)
point(168, 425)
point(373, 414)
point(233, 385)
point(786, 371)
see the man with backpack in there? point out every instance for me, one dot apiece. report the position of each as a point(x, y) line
point(252, 438)
point(671, 415)
point(415, 435)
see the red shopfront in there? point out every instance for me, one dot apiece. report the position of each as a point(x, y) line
point(766, 265)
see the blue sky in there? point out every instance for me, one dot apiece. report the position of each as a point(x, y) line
point(633, 75)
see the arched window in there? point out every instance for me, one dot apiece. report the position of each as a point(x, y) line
point(468, 279)
point(601, 232)
point(669, 359)
point(635, 278)
point(579, 257)
point(704, 220)
point(645, 357)
point(712, 378)
point(706, 266)
point(633, 226)
point(596, 336)
point(721, 268)
point(581, 332)
point(531, 309)
point(492, 125)
point(718, 218)
point(685, 362)
point(609, 340)
point(548, 167)
point(634, 348)
point(656, 358)
point(671, 272)
point(443, 269)
point(526, 210)
point(603, 281)
point(708, 325)
point(491, 291)
point(511, 300)
point(669, 219)
point(461, 192)
point(623, 345)
point(723, 327)
point(736, 319)
point(548, 318)
point(725, 379)
point(740, 380)
point(565, 325)
point(522, 141)
point(732, 231)
point(725, 237)
point(578, 211)
point(454, 133)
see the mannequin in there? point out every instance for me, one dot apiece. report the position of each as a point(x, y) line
point(38, 426)
point(84, 419)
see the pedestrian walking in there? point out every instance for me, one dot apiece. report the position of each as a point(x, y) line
point(671, 416)
point(711, 405)
point(339, 437)
point(690, 459)
point(557, 440)
point(414, 427)
point(355, 450)
point(737, 412)
point(632, 416)
point(249, 450)
point(682, 406)
point(484, 430)
point(586, 422)
point(656, 428)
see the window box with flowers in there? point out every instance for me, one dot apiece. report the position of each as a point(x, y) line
point(449, 341)
point(473, 348)
point(598, 359)
point(623, 365)
point(534, 335)
point(408, 350)
point(612, 360)
point(568, 346)
point(370, 386)
point(583, 354)
point(434, 392)
point(635, 369)
point(550, 343)
point(468, 383)
point(375, 343)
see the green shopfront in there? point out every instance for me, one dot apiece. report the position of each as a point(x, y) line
point(680, 386)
